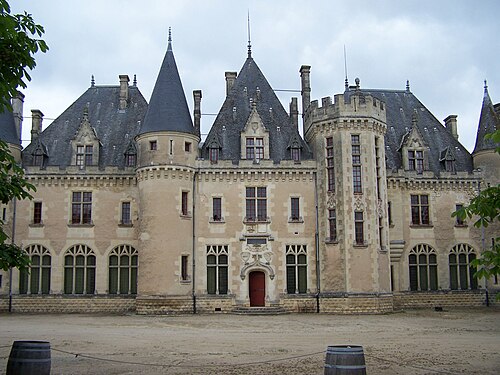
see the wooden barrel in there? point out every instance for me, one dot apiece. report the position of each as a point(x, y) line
point(29, 358)
point(345, 360)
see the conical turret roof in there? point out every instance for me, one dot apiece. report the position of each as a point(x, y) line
point(168, 109)
point(8, 131)
point(489, 121)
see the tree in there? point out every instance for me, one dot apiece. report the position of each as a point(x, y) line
point(18, 44)
point(486, 207)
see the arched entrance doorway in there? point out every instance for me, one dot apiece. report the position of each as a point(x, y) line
point(257, 288)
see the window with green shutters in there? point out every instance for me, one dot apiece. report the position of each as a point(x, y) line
point(37, 279)
point(422, 262)
point(461, 269)
point(79, 270)
point(217, 269)
point(123, 262)
point(296, 269)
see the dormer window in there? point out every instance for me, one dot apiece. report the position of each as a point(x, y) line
point(38, 158)
point(295, 153)
point(84, 155)
point(255, 148)
point(416, 161)
point(213, 154)
point(130, 160)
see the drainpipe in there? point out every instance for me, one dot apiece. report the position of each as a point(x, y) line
point(316, 240)
point(193, 293)
point(12, 242)
point(483, 247)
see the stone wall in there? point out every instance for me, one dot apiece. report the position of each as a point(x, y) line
point(356, 304)
point(164, 305)
point(442, 298)
point(58, 304)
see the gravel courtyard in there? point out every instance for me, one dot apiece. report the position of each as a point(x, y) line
point(412, 342)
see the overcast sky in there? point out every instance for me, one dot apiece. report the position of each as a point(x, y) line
point(446, 49)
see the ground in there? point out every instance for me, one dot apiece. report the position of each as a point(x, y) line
point(454, 341)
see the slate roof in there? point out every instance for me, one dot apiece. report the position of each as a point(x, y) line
point(168, 109)
point(250, 87)
point(400, 106)
point(8, 132)
point(489, 121)
point(114, 128)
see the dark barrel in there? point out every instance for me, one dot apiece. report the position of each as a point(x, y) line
point(345, 360)
point(29, 358)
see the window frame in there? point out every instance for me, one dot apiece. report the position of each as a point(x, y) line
point(359, 232)
point(217, 209)
point(86, 272)
point(256, 204)
point(37, 213)
point(357, 183)
point(38, 279)
point(81, 208)
point(419, 210)
point(123, 274)
point(332, 225)
point(295, 209)
point(126, 213)
point(185, 203)
point(423, 271)
point(217, 271)
point(461, 271)
point(330, 167)
point(296, 269)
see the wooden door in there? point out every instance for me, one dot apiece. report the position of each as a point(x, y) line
point(257, 288)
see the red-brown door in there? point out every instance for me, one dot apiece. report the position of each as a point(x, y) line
point(257, 286)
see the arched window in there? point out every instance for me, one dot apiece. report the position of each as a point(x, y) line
point(123, 261)
point(37, 279)
point(79, 270)
point(422, 263)
point(461, 270)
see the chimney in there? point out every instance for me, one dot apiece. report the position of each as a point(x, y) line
point(305, 71)
point(17, 111)
point(294, 112)
point(124, 80)
point(230, 78)
point(451, 125)
point(197, 110)
point(36, 123)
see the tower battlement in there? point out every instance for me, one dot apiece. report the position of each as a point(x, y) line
point(348, 105)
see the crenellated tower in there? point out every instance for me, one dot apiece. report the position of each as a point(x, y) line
point(167, 150)
point(347, 138)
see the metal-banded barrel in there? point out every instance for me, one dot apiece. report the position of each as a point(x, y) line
point(29, 358)
point(345, 360)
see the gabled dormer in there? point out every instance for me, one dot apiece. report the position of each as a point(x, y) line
point(85, 144)
point(414, 149)
point(130, 155)
point(254, 138)
point(214, 147)
point(39, 154)
point(447, 160)
point(295, 147)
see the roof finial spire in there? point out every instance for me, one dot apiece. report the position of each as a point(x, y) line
point(407, 85)
point(169, 48)
point(485, 86)
point(345, 69)
point(135, 80)
point(249, 43)
point(92, 81)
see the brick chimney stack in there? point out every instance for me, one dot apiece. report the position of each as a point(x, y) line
point(124, 80)
point(451, 125)
point(305, 71)
point(230, 78)
point(36, 123)
point(197, 110)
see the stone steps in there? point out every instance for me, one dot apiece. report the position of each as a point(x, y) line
point(263, 310)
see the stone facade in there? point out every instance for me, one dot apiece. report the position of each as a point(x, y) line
point(133, 212)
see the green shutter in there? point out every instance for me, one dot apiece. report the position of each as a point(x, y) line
point(211, 284)
point(302, 278)
point(223, 279)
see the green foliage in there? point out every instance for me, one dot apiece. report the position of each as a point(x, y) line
point(488, 264)
point(18, 44)
point(13, 256)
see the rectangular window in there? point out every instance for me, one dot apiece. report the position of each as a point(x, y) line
point(420, 209)
point(255, 148)
point(187, 146)
point(184, 268)
point(359, 236)
point(184, 203)
point(389, 212)
point(416, 161)
point(330, 171)
point(459, 221)
point(153, 145)
point(256, 204)
point(4, 214)
point(356, 164)
point(130, 160)
point(295, 153)
point(296, 269)
point(217, 269)
point(80, 155)
point(332, 225)
point(126, 213)
point(214, 155)
point(295, 209)
point(217, 209)
point(37, 213)
point(89, 150)
point(81, 207)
